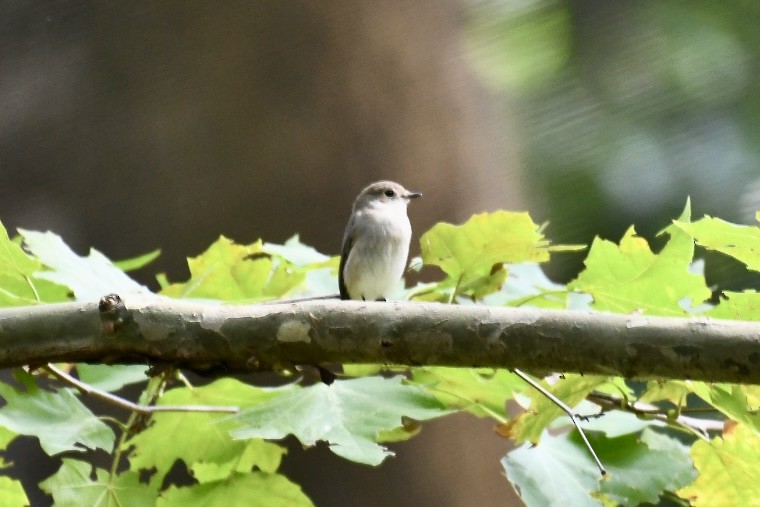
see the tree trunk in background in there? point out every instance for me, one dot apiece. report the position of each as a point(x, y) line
point(128, 127)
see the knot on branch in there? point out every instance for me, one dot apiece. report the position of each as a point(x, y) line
point(113, 314)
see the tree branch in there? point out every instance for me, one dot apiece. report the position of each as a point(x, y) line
point(218, 338)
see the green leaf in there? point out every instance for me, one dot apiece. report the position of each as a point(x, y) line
point(640, 468)
point(137, 262)
point(261, 454)
point(631, 278)
point(71, 486)
point(111, 378)
point(674, 391)
point(574, 477)
point(613, 423)
point(228, 271)
point(479, 288)
point(202, 438)
point(752, 394)
point(728, 469)
point(742, 242)
point(732, 400)
point(482, 392)
point(321, 270)
point(528, 285)
point(88, 277)
point(530, 425)
point(6, 436)
point(18, 286)
point(239, 490)
point(737, 306)
point(296, 252)
point(348, 414)
point(12, 493)
point(60, 421)
point(471, 254)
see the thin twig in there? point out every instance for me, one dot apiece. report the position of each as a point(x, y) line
point(569, 411)
point(698, 426)
point(128, 405)
point(182, 378)
point(147, 397)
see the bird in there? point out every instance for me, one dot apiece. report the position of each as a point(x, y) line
point(376, 242)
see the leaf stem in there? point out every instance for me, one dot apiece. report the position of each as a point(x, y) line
point(182, 378)
point(147, 396)
point(34, 289)
point(455, 290)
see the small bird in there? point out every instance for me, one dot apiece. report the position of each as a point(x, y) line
point(376, 242)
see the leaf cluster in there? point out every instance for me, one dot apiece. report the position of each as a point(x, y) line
point(691, 442)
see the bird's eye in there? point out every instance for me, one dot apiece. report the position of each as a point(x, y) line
point(389, 193)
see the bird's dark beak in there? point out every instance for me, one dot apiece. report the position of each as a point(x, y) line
point(413, 195)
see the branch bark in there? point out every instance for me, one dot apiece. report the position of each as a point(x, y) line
point(219, 338)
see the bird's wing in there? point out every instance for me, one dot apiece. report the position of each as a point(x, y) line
point(348, 242)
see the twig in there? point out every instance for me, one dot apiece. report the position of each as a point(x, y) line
point(128, 405)
point(695, 425)
point(569, 411)
point(182, 378)
point(147, 397)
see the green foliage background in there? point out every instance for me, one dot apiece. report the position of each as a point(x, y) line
point(491, 259)
point(620, 109)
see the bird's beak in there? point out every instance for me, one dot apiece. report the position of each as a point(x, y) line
point(413, 195)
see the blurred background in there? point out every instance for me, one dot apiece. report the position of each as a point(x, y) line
point(137, 125)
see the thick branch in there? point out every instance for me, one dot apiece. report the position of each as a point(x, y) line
point(217, 338)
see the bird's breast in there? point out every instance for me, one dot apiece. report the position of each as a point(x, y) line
point(378, 256)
